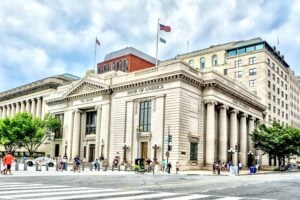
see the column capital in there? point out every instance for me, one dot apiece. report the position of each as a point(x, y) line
point(223, 106)
point(233, 111)
point(98, 107)
point(210, 101)
point(243, 115)
point(76, 111)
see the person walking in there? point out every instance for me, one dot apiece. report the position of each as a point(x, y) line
point(169, 167)
point(7, 160)
point(64, 163)
point(163, 165)
point(77, 164)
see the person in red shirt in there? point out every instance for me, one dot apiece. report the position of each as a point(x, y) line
point(7, 160)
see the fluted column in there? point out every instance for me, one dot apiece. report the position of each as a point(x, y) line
point(22, 106)
point(210, 132)
point(18, 108)
point(27, 108)
point(8, 111)
point(76, 134)
point(98, 128)
point(4, 114)
point(250, 130)
point(233, 133)
point(39, 108)
point(13, 109)
point(1, 111)
point(223, 135)
point(243, 138)
point(33, 107)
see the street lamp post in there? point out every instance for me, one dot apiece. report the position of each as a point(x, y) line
point(66, 146)
point(237, 149)
point(155, 147)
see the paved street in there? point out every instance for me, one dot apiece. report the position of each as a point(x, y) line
point(127, 185)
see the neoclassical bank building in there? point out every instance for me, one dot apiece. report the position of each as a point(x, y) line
point(127, 111)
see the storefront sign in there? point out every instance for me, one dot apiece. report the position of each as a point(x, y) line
point(145, 89)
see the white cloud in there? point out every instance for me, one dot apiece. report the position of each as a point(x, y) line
point(42, 38)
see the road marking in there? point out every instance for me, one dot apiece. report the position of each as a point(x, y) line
point(194, 196)
point(145, 196)
point(94, 195)
point(43, 190)
point(231, 198)
point(25, 187)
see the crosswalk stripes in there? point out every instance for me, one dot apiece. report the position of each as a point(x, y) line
point(15, 190)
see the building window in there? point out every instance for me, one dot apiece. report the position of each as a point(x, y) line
point(269, 84)
point(274, 87)
point(252, 72)
point(90, 123)
point(273, 77)
point(285, 86)
point(145, 116)
point(274, 99)
point(194, 151)
point(278, 91)
point(112, 66)
point(282, 104)
point(277, 80)
point(270, 118)
point(278, 101)
point(106, 68)
point(278, 112)
point(281, 74)
point(269, 95)
point(252, 60)
point(274, 109)
point(59, 133)
point(202, 63)
point(286, 116)
point(269, 73)
point(286, 96)
point(125, 65)
point(238, 63)
point(285, 77)
point(282, 114)
point(252, 83)
point(214, 60)
point(269, 106)
point(225, 71)
point(238, 74)
point(118, 65)
point(191, 63)
point(99, 70)
point(268, 61)
point(277, 70)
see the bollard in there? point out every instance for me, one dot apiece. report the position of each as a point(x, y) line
point(119, 167)
point(25, 166)
point(36, 167)
point(99, 167)
point(113, 168)
point(17, 166)
point(91, 167)
point(126, 167)
point(82, 167)
point(56, 167)
point(47, 167)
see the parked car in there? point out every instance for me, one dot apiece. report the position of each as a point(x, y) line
point(43, 161)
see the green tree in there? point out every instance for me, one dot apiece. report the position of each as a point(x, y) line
point(277, 140)
point(10, 136)
point(52, 123)
point(31, 130)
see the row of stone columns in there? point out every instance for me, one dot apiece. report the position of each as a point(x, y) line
point(238, 133)
point(33, 106)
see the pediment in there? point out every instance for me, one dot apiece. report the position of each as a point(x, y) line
point(85, 86)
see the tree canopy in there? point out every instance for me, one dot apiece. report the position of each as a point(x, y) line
point(24, 130)
point(277, 140)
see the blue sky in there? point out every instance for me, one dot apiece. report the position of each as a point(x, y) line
point(42, 38)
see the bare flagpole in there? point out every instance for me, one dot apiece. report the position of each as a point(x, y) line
point(157, 42)
point(95, 67)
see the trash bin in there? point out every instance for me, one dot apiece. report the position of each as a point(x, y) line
point(252, 170)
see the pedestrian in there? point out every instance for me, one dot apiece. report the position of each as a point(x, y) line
point(169, 167)
point(7, 160)
point(148, 161)
point(96, 164)
point(240, 165)
point(64, 163)
point(76, 164)
point(59, 163)
point(214, 167)
point(218, 167)
point(177, 167)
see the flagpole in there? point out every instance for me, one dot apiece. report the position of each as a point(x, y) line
point(95, 67)
point(157, 42)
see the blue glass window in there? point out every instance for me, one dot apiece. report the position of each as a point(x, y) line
point(259, 46)
point(232, 53)
point(249, 49)
point(241, 51)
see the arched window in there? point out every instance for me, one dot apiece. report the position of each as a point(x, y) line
point(191, 63)
point(112, 66)
point(125, 65)
point(202, 63)
point(214, 60)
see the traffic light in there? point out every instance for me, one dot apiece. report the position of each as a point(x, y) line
point(169, 138)
point(169, 148)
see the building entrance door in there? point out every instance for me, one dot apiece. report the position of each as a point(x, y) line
point(144, 153)
point(92, 153)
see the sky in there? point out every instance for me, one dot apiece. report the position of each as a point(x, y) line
point(42, 38)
